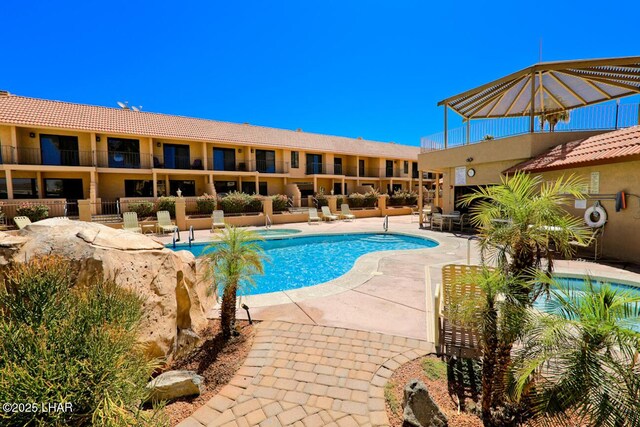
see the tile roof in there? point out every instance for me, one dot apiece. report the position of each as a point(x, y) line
point(609, 147)
point(24, 111)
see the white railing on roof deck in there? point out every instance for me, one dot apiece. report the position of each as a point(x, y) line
point(594, 117)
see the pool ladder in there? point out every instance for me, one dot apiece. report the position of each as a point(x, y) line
point(192, 235)
point(176, 236)
point(267, 222)
point(385, 223)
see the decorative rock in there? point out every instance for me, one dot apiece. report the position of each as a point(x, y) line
point(171, 385)
point(175, 302)
point(419, 409)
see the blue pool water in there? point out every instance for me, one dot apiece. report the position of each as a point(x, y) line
point(578, 285)
point(305, 261)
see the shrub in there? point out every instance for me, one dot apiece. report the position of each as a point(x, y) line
point(238, 202)
point(167, 204)
point(280, 202)
point(142, 209)
point(371, 198)
point(62, 341)
point(32, 211)
point(206, 203)
point(321, 200)
point(403, 197)
point(356, 200)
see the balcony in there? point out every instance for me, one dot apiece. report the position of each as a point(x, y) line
point(264, 166)
point(34, 156)
point(123, 159)
point(178, 162)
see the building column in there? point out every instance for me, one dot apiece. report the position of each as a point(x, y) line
point(94, 150)
point(9, 179)
point(39, 183)
point(166, 185)
point(315, 184)
point(13, 142)
point(257, 184)
point(154, 176)
point(437, 195)
point(344, 190)
point(205, 161)
point(150, 152)
point(240, 183)
point(211, 188)
point(420, 198)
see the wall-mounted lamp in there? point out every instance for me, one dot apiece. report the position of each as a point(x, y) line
point(239, 150)
point(97, 138)
point(469, 159)
point(252, 150)
point(32, 135)
point(158, 144)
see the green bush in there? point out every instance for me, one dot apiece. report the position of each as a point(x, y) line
point(167, 204)
point(371, 198)
point(238, 202)
point(321, 200)
point(206, 203)
point(143, 209)
point(356, 200)
point(33, 211)
point(62, 341)
point(280, 202)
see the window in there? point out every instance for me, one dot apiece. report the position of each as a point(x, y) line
point(70, 189)
point(295, 159)
point(337, 165)
point(188, 188)
point(59, 150)
point(361, 167)
point(138, 188)
point(250, 188)
point(223, 187)
point(266, 161)
point(224, 159)
point(389, 168)
point(123, 153)
point(176, 156)
point(414, 170)
point(406, 167)
point(314, 164)
point(23, 188)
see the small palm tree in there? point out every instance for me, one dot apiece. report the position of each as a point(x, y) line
point(582, 358)
point(230, 264)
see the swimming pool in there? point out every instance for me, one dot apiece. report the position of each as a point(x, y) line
point(306, 261)
point(277, 232)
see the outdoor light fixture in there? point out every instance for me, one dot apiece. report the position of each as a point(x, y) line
point(246, 308)
point(469, 159)
point(239, 150)
point(158, 144)
point(32, 135)
point(179, 193)
point(97, 138)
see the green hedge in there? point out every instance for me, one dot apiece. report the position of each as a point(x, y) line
point(280, 202)
point(167, 204)
point(238, 202)
point(206, 203)
point(143, 209)
point(64, 342)
point(33, 211)
point(359, 200)
point(403, 198)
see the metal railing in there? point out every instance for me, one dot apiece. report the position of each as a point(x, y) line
point(595, 117)
point(35, 156)
point(124, 159)
point(20, 207)
point(178, 162)
point(106, 211)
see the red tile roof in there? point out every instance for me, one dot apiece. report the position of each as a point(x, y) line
point(609, 147)
point(23, 111)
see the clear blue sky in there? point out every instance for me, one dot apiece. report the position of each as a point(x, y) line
point(355, 68)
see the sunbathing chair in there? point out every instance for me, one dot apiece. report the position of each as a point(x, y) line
point(454, 337)
point(593, 240)
point(21, 221)
point(164, 222)
point(217, 220)
point(437, 222)
point(346, 212)
point(327, 215)
point(313, 215)
point(131, 222)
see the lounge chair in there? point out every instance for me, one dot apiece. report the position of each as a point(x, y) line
point(462, 221)
point(593, 240)
point(21, 221)
point(164, 222)
point(313, 215)
point(437, 222)
point(131, 222)
point(217, 220)
point(345, 212)
point(327, 215)
point(458, 334)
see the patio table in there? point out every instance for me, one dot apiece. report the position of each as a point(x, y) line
point(450, 218)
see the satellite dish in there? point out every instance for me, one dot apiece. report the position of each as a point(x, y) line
point(135, 109)
point(123, 105)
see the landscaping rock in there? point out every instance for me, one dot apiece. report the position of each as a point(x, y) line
point(171, 385)
point(419, 409)
point(175, 302)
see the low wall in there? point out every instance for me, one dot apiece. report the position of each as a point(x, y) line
point(399, 210)
point(237, 221)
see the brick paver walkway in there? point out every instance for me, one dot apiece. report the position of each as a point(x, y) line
point(308, 376)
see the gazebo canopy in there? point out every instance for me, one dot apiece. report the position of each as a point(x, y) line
point(550, 87)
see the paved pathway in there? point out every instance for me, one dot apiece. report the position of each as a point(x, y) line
point(307, 376)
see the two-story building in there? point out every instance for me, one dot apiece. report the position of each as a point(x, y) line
point(553, 119)
point(53, 149)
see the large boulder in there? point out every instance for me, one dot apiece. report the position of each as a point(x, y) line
point(175, 302)
point(171, 385)
point(419, 409)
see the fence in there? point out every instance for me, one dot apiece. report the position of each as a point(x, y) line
point(32, 209)
point(595, 117)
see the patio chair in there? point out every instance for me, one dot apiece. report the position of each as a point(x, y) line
point(327, 215)
point(457, 334)
point(462, 221)
point(21, 221)
point(164, 222)
point(345, 212)
point(313, 215)
point(197, 164)
point(217, 220)
point(593, 240)
point(131, 222)
point(437, 222)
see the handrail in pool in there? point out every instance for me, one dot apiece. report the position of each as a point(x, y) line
point(385, 224)
point(267, 222)
point(192, 235)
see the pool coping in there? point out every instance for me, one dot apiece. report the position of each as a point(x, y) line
point(364, 268)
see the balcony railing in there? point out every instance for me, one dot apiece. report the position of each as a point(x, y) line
point(596, 117)
point(264, 166)
point(178, 162)
point(34, 156)
point(123, 159)
point(316, 169)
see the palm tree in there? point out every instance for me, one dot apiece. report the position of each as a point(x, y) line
point(230, 264)
point(519, 221)
point(581, 359)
